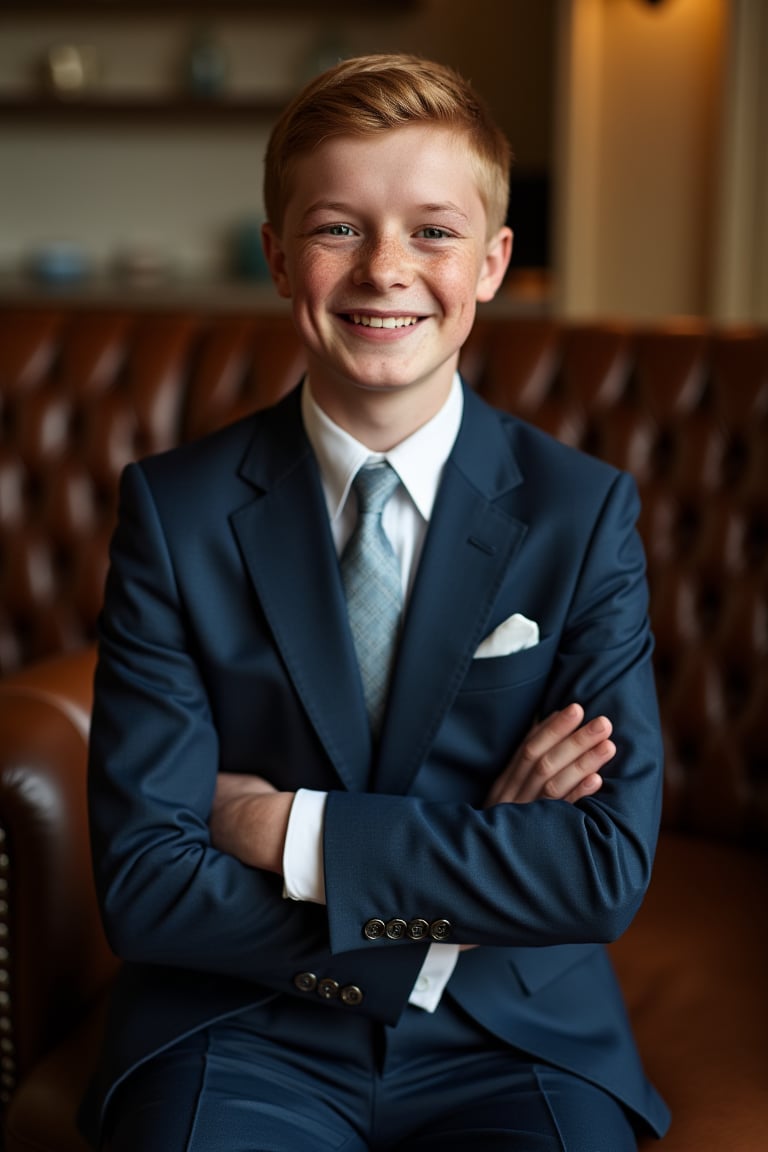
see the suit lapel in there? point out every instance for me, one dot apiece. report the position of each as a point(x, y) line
point(285, 539)
point(470, 543)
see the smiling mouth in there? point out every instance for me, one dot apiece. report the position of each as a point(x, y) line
point(366, 321)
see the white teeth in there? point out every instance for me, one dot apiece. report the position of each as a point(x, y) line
point(383, 321)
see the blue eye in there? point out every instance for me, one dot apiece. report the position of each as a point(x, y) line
point(339, 230)
point(432, 233)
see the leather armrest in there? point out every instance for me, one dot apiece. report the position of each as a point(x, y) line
point(55, 958)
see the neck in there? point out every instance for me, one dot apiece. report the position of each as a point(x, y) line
point(380, 419)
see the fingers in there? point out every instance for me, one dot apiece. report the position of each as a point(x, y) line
point(561, 759)
point(582, 778)
point(512, 782)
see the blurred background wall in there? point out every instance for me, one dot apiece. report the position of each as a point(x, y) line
point(639, 134)
point(662, 158)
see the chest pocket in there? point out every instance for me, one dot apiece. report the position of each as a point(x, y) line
point(495, 673)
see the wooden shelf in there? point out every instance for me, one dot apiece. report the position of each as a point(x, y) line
point(131, 8)
point(177, 109)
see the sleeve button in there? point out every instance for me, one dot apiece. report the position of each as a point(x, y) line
point(374, 929)
point(417, 929)
point(328, 988)
point(440, 930)
point(396, 929)
point(350, 994)
point(305, 981)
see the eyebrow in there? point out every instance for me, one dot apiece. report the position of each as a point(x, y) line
point(327, 206)
point(345, 207)
point(447, 206)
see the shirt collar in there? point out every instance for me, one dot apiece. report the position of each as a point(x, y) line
point(418, 460)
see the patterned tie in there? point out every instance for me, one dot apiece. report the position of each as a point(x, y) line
point(371, 575)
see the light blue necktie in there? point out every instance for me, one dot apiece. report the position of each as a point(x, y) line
point(372, 581)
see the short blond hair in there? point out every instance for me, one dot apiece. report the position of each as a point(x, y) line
point(370, 94)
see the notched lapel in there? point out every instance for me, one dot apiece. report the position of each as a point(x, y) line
point(286, 543)
point(470, 545)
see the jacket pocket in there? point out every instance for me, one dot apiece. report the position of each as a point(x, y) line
point(496, 672)
point(537, 967)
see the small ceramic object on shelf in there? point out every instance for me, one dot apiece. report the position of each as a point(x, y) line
point(60, 263)
point(71, 69)
point(143, 266)
point(249, 262)
point(207, 65)
point(328, 49)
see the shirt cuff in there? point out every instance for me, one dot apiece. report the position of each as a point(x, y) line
point(435, 973)
point(303, 864)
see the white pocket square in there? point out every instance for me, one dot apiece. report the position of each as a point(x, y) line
point(512, 635)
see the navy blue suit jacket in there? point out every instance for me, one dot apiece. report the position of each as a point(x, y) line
point(225, 645)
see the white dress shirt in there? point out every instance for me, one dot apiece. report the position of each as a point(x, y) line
point(419, 462)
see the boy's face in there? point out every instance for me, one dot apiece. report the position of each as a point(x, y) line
point(384, 253)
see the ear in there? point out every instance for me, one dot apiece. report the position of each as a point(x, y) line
point(497, 257)
point(276, 261)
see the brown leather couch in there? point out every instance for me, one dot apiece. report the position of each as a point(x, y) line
point(685, 408)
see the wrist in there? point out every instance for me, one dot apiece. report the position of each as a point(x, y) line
point(265, 821)
point(280, 804)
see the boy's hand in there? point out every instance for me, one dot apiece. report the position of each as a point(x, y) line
point(249, 819)
point(559, 760)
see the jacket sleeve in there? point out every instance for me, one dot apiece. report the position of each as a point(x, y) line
point(167, 896)
point(543, 873)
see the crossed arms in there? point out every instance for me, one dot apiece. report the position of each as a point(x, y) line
point(560, 759)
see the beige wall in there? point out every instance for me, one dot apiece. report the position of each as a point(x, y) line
point(638, 155)
point(740, 277)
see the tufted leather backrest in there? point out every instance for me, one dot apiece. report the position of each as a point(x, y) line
point(82, 393)
point(682, 406)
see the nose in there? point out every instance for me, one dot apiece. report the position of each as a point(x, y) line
point(384, 262)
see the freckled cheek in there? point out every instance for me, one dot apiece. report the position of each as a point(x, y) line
point(457, 288)
point(320, 278)
point(315, 290)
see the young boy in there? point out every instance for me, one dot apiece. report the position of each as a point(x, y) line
point(359, 886)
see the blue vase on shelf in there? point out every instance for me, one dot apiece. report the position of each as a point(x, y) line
point(207, 66)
